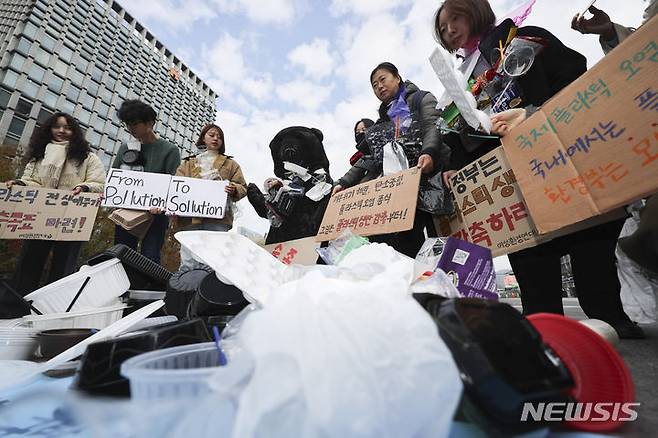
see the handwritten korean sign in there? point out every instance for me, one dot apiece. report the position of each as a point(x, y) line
point(37, 213)
point(492, 212)
point(594, 146)
point(295, 252)
point(381, 206)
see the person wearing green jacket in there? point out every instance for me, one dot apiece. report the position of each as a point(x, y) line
point(148, 153)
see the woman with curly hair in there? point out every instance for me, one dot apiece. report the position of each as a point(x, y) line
point(58, 157)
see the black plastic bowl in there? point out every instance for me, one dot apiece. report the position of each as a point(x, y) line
point(52, 342)
point(215, 298)
point(99, 371)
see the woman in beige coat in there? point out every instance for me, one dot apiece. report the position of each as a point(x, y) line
point(58, 157)
point(212, 164)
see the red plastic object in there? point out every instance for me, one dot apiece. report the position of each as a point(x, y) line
point(599, 372)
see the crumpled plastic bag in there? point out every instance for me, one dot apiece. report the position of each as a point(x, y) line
point(341, 358)
point(342, 245)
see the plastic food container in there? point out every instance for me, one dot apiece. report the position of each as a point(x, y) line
point(140, 298)
point(108, 280)
point(95, 318)
point(53, 342)
point(100, 372)
point(184, 371)
point(17, 350)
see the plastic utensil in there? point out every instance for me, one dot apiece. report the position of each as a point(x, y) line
point(218, 338)
point(77, 295)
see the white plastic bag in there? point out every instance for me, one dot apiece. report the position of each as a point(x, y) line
point(344, 358)
point(395, 159)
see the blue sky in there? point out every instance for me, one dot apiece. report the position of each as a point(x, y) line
point(278, 63)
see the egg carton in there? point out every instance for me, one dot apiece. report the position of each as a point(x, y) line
point(237, 260)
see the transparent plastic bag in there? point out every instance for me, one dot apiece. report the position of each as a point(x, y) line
point(338, 248)
point(395, 159)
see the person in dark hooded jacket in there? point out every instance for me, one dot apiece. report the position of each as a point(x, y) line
point(421, 140)
point(362, 148)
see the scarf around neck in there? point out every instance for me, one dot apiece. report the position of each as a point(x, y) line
point(399, 109)
point(54, 158)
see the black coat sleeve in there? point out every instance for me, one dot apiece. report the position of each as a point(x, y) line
point(433, 144)
point(554, 68)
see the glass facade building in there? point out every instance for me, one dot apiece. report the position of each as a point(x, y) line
point(85, 57)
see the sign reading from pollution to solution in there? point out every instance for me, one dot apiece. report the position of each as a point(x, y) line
point(135, 190)
point(194, 197)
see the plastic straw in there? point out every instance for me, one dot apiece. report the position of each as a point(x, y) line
point(21, 298)
point(75, 298)
point(218, 338)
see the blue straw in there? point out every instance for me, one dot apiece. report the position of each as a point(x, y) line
point(218, 338)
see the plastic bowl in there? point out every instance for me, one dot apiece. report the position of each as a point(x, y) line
point(95, 318)
point(108, 280)
point(53, 342)
point(182, 372)
point(599, 372)
point(17, 349)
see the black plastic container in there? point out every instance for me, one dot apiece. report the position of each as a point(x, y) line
point(136, 299)
point(503, 363)
point(216, 298)
point(99, 371)
point(181, 288)
point(143, 273)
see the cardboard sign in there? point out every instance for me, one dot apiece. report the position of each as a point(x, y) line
point(295, 252)
point(381, 206)
point(492, 212)
point(594, 146)
point(135, 190)
point(194, 197)
point(47, 214)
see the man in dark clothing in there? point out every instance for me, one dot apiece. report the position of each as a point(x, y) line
point(148, 153)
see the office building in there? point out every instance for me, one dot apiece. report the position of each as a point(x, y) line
point(85, 57)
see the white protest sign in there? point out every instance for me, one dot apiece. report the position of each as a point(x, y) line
point(194, 197)
point(135, 190)
point(443, 67)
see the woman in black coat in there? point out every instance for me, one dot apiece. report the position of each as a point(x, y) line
point(469, 25)
point(421, 140)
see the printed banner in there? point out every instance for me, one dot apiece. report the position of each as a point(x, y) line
point(46, 214)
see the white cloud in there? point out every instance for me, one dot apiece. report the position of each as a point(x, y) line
point(271, 11)
point(314, 58)
point(176, 15)
point(364, 7)
point(304, 94)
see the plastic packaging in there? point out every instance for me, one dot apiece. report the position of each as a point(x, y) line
point(338, 248)
point(96, 318)
point(184, 371)
point(108, 280)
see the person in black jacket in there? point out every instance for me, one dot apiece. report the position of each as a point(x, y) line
point(421, 141)
point(469, 26)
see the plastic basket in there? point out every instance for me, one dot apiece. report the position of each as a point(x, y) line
point(181, 372)
point(108, 280)
point(94, 318)
point(144, 273)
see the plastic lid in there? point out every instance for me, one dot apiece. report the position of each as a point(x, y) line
point(599, 373)
point(187, 280)
point(146, 294)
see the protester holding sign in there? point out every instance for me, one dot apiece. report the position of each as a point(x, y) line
point(404, 136)
point(58, 157)
point(212, 164)
point(470, 26)
point(360, 138)
point(149, 153)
